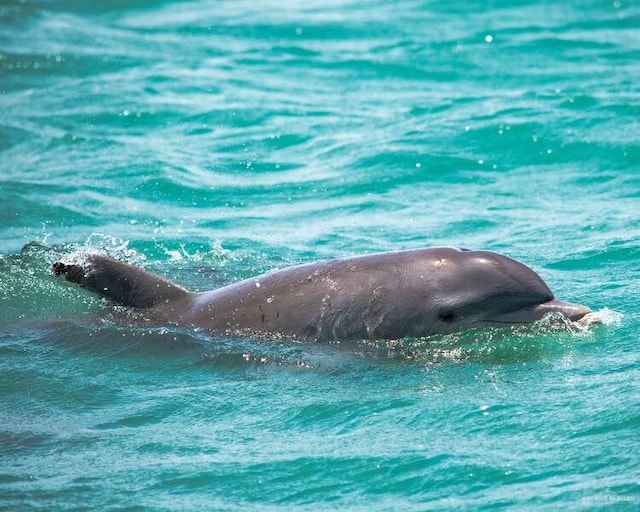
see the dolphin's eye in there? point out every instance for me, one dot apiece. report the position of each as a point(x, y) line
point(447, 316)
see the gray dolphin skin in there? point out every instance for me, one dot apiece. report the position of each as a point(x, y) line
point(392, 295)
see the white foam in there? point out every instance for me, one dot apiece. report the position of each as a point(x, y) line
point(608, 316)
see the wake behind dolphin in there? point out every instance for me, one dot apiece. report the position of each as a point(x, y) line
point(392, 295)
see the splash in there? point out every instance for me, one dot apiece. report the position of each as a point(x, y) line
point(552, 336)
point(608, 316)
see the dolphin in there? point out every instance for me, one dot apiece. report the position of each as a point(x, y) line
point(413, 293)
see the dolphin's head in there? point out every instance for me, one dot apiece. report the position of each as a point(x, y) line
point(488, 289)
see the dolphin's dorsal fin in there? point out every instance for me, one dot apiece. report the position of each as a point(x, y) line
point(120, 282)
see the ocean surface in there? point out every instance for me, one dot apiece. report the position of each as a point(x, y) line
point(210, 141)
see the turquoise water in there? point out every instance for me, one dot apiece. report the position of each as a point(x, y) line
point(213, 140)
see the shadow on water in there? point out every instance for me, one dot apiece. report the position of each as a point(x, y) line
point(179, 350)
